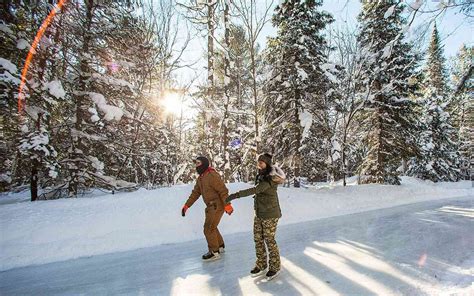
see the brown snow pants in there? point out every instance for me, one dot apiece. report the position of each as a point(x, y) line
point(214, 212)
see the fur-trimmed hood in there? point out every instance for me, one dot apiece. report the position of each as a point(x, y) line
point(277, 174)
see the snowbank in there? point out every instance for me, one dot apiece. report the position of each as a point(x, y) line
point(49, 231)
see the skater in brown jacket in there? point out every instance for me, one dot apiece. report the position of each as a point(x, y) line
point(214, 193)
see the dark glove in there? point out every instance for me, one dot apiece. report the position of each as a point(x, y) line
point(183, 210)
point(231, 197)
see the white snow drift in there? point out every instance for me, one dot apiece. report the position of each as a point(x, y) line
point(49, 231)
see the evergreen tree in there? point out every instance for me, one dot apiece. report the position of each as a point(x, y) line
point(11, 59)
point(99, 96)
point(435, 72)
point(385, 84)
point(91, 100)
point(439, 158)
point(298, 81)
point(462, 107)
point(29, 123)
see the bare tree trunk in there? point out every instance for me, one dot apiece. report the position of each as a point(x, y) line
point(210, 62)
point(343, 156)
point(255, 96)
point(81, 103)
point(225, 123)
point(297, 143)
point(34, 180)
point(36, 163)
point(34, 169)
point(462, 83)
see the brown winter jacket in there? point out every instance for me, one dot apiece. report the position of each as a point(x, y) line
point(211, 187)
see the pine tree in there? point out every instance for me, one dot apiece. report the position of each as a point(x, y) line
point(90, 98)
point(439, 159)
point(11, 59)
point(297, 81)
point(39, 98)
point(462, 107)
point(435, 72)
point(385, 85)
point(94, 91)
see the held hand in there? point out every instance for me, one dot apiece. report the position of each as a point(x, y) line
point(231, 197)
point(228, 209)
point(183, 210)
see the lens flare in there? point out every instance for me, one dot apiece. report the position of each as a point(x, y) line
point(113, 67)
point(172, 103)
point(29, 57)
point(422, 260)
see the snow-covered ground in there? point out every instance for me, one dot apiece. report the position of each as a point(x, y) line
point(58, 230)
point(417, 249)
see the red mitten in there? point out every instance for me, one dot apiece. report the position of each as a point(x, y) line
point(183, 210)
point(229, 209)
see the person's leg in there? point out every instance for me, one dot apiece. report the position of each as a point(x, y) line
point(259, 244)
point(220, 239)
point(269, 231)
point(213, 217)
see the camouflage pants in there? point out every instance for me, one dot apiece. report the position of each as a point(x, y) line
point(264, 234)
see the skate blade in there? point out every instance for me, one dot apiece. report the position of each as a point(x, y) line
point(258, 274)
point(269, 278)
point(212, 259)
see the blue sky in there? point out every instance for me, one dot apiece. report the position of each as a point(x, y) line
point(453, 26)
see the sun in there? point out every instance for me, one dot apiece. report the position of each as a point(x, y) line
point(172, 103)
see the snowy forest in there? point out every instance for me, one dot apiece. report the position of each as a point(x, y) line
point(93, 93)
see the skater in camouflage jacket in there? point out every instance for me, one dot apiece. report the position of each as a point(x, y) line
point(267, 213)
